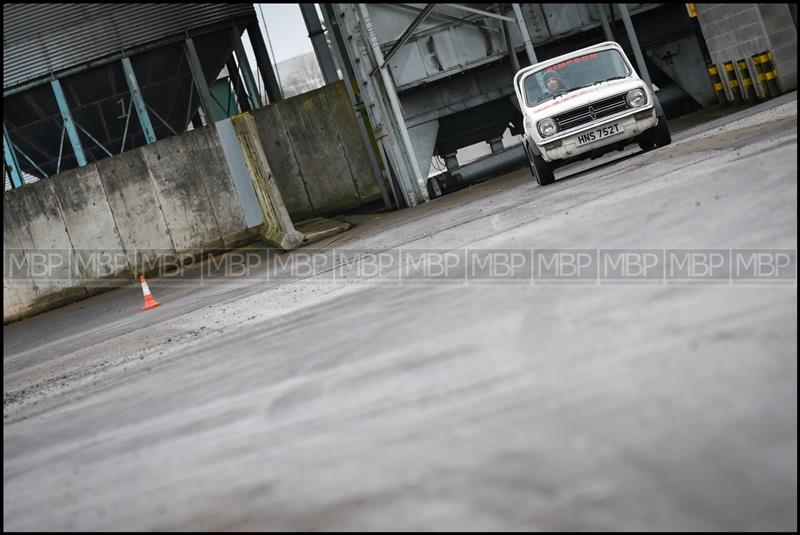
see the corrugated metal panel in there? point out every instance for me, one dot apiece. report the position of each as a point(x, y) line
point(39, 38)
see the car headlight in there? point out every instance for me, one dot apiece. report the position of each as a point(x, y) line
point(547, 127)
point(636, 98)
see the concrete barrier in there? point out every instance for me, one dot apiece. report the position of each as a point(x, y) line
point(176, 196)
point(218, 182)
point(277, 228)
point(137, 211)
point(314, 147)
point(42, 234)
point(283, 160)
point(313, 134)
point(351, 142)
point(90, 225)
point(176, 175)
point(19, 291)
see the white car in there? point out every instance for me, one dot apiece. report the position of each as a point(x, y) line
point(584, 104)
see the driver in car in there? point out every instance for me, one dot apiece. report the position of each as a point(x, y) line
point(554, 84)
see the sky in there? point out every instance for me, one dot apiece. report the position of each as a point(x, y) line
point(283, 28)
point(286, 28)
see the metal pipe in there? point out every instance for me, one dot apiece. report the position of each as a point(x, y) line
point(526, 37)
point(417, 185)
point(637, 52)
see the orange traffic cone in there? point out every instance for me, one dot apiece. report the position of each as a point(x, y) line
point(149, 300)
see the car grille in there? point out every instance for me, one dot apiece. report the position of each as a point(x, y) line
point(587, 114)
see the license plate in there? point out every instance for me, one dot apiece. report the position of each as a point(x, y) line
point(600, 133)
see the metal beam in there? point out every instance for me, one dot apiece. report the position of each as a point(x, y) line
point(199, 77)
point(604, 21)
point(271, 85)
point(637, 52)
point(512, 53)
point(12, 165)
point(238, 85)
point(405, 35)
point(342, 59)
point(526, 37)
point(480, 12)
point(320, 44)
point(138, 101)
point(30, 161)
point(244, 69)
point(66, 116)
point(445, 16)
point(417, 186)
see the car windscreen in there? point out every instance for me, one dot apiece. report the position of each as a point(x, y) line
point(574, 73)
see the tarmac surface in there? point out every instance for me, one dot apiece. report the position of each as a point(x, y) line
point(279, 400)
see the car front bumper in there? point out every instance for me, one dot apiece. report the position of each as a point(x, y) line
point(569, 148)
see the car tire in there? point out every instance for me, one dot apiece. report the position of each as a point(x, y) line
point(647, 141)
point(662, 133)
point(540, 169)
point(658, 136)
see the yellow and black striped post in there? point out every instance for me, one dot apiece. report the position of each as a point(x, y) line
point(771, 74)
point(767, 74)
point(733, 83)
point(748, 90)
point(716, 82)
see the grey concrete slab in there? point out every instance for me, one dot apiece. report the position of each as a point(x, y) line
point(90, 224)
point(226, 205)
point(176, 177)
point(19, 290)
point(43, 237)
point(283, 161)
point(320, 155)
point(136, 207)
point(352, 143)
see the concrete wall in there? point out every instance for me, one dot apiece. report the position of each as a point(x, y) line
point(314, 147)
point(734, 31)
point(169, 198)
point(781, 31)
point(173, 198)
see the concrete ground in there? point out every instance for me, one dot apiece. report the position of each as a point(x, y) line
point(246, 403)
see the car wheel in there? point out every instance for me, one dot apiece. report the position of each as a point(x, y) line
point(648, 140)
point(662, 134)
point(541, 170)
